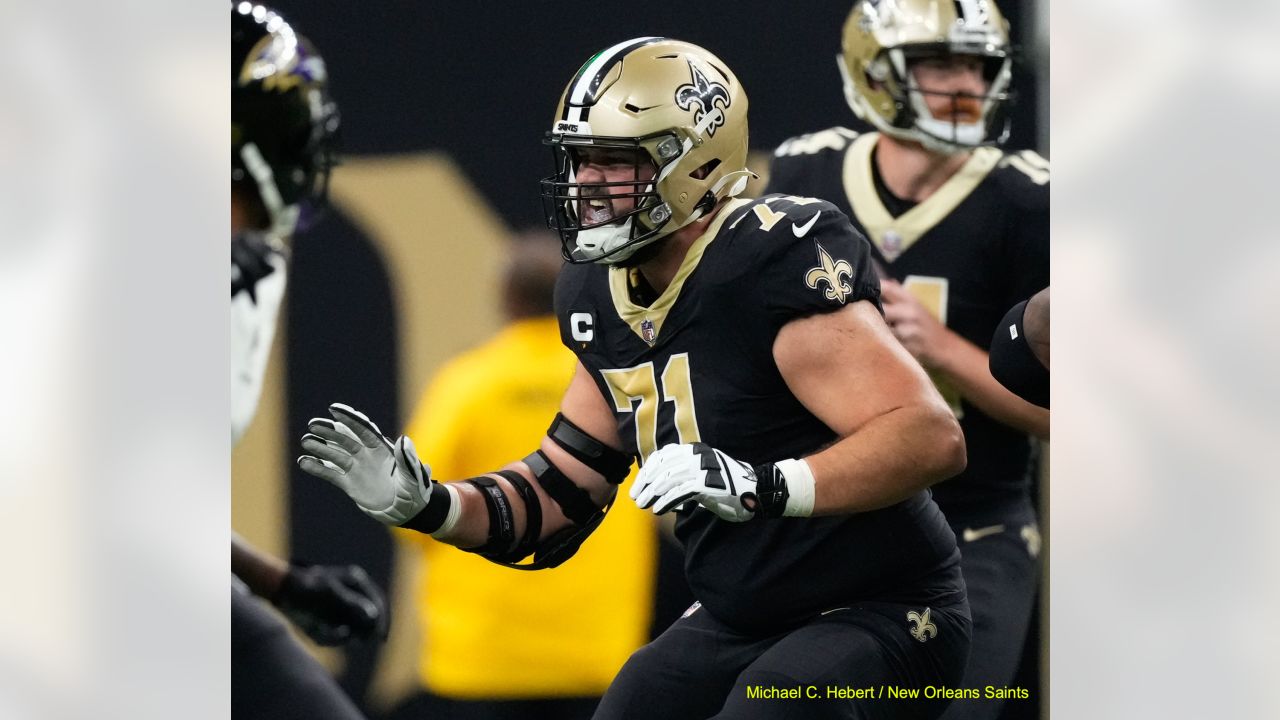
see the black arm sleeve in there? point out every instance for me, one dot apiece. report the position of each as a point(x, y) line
point(1013, 364)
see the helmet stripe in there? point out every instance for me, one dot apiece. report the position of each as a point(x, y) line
point(584, 85)
point(972, 12)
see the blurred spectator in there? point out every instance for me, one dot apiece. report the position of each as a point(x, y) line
point(575, 625)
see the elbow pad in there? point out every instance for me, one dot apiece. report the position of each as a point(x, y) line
point(614, 465)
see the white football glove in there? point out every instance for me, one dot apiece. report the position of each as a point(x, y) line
point(678, 473)
point(388, 482)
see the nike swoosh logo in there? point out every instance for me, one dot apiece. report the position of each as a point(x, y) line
point(801, 230)
point(970, 534)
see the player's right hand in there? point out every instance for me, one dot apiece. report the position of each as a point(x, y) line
point(387, 481)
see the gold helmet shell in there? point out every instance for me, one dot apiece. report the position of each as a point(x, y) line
point(681, 109)
point(881, 37)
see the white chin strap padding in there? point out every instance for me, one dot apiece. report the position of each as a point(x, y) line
point(600, 241)
point(964, 134)
point(954, 133)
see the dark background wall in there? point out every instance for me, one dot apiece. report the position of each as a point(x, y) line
point(480, 80)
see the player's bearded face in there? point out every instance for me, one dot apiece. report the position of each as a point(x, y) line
point(953, 87)
point(611, 182)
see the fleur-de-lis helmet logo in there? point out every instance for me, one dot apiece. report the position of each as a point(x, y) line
point(922, 629)
point(829, 271)
point(705, 98)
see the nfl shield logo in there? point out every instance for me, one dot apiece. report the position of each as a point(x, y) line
point(647, 331)
point(892, 241)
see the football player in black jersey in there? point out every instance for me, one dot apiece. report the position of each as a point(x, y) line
point(961, 233)
point(737, 350)
point(282, 125)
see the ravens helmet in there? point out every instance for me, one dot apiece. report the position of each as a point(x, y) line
point(882, 37)
point(673, 107)
point(283, 122)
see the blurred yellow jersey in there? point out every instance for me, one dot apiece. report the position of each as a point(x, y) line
point(494, 632)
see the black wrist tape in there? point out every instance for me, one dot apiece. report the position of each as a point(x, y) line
point(431, 517)
point(771, 491)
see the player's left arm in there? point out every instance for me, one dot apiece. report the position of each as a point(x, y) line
point(897, 435)
point(961, 363)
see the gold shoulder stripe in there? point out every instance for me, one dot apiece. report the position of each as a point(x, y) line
point(655, 315)
point(835, 138)
point(1029, 164)
point(1035, 159)
point(894, 235)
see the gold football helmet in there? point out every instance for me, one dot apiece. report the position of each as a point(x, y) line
point(678, 113)
point(882, 37)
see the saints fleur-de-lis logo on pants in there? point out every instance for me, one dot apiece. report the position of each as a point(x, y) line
point(711, 98)
point(922, 629)
point(829, 272)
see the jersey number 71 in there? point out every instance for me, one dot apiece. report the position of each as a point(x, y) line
point(636, 389)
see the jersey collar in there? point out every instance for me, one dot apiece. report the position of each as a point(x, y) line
point(646, 322)
point(893, 236)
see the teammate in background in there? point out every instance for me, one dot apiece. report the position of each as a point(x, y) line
point(736, 348)
point(577, 625)
point(1020, 350)
point(961, 232)
point(282, 125)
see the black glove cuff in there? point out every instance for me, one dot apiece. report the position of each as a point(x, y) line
point(771, 491)
point(431, 517)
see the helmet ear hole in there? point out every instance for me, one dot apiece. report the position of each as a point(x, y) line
point(701, 172)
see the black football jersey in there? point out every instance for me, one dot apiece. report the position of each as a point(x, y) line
point(696, 365)
point(972, 250)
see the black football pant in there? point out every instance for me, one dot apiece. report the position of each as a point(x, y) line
point(272, 676)
point(1000, 570)
point(701, 668)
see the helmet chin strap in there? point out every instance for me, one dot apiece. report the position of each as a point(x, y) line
point(603, 243)
point(284, 218)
